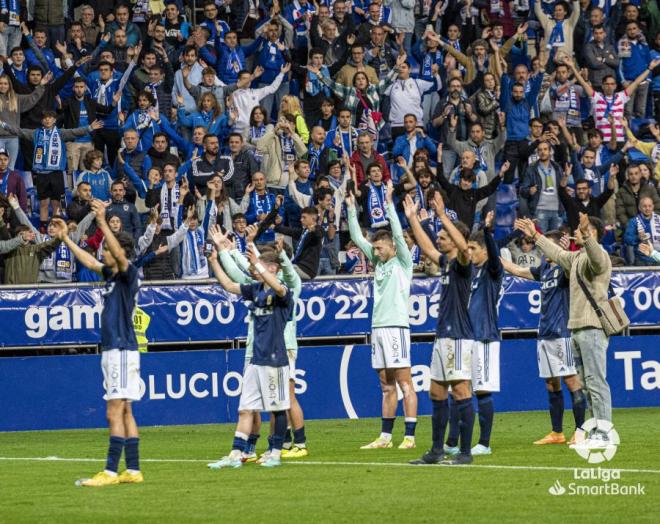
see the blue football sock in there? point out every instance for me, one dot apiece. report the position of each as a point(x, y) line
point(387, 425)
point(411, 424)
point(114, 453)
point(579, 407)
point(288, 439)
point(252, 443)
point(454, 429)
point(466, 421)
point(240, 442)
point(486, 416)
point(556, 399)
point(132, 454)
point(279, 429)
point(439, 421)
point(270, 443)
point(299, 436)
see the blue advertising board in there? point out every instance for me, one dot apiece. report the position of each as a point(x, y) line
point(196, 387)
point(326, 308)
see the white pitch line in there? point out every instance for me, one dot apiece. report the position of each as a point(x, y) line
point(337, 463)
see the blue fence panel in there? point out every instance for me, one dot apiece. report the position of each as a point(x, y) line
point(195, 387)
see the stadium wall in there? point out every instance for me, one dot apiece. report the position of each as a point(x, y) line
point(202, 387)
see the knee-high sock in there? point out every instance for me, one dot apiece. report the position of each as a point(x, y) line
point(454, 430)
point(114, 453)
point(132, 454)
point(439, 421)
point(579, 407)
point(466, 418)
point(556, 400)
point(486, 415)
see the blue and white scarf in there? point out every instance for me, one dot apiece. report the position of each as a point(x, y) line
point(5, 182)
point(255, 133)
point(301, 244)
point(193, 261)
point(654, 229)
point(314, 156)
point(241, 242)
point(376, 205)
point(61, 261)
point(234, 63)
point(420, 198)
point(13, 9)
point(48, 150)
point(556, 38)
point(262, 204)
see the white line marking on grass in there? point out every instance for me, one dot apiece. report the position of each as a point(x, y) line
point(337, 463)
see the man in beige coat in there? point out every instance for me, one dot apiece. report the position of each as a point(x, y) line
point(281, 147)
point(592, 264)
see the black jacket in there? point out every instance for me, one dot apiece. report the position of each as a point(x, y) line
point(574, 207)
point(69, 113)
point(464, 203)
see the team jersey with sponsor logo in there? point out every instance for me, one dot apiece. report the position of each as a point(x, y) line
point(453, 318)
point(392, 278)
point(486, 294)
point(554, 300)
point(270, 313)
point(119, 300)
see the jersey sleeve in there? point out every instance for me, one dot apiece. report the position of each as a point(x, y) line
point(106, 272)
point(248, 291)
point(536, 272)
point(130, 275)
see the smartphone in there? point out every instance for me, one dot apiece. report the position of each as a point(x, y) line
point(208, 249)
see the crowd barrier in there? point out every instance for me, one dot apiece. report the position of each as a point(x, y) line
point(198, 313)
point(201, 387)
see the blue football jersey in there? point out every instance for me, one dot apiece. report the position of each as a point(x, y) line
point(270, 313)
point(119, 300)
point(453, 319)
point(486, 294)
point(485, 302)
point(554, 300)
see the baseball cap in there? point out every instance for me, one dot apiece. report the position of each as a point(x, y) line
point(3, 151)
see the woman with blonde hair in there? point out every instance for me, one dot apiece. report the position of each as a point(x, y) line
point(11, 107)
point(290, 105)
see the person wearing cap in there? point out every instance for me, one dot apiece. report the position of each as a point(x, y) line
point(10, 181)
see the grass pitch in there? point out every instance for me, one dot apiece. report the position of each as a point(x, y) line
point(336, 483)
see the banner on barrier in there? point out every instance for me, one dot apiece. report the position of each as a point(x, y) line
point(199, 387)
point(327, 308)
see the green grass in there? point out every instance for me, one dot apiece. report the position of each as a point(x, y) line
point(33, 491)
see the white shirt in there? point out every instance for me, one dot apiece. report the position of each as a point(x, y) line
point(406, 98)
point(245, 100)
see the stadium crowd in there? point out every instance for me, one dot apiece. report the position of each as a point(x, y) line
point(252, 112)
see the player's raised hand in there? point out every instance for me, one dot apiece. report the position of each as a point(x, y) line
point(252, 255)
point(423, 215)
point(439, 204)
point(490, 219)
point(584, 223)
point(565, 242)
point(349, 200)
point(410, 207)
point(389, 190)
point(99, 209)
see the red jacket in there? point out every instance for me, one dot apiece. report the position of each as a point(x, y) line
point(359, 172)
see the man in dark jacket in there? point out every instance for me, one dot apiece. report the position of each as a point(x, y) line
point(583, 201)
point(631, 192)
point(80, 205)
point(463, 198)
point(244, 167)
point(159, 153)
point(127, 212)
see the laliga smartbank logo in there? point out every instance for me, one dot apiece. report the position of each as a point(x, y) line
point(596, 442)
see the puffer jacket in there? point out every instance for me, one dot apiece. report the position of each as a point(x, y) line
point(627, 204)
point(24, 102)
point(49, 12)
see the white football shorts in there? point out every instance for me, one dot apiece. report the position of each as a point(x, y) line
point(451, 360)
point(265, 388)
point(390, 348)
point(555, 358)
point(486, 366)
point(121, 374)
